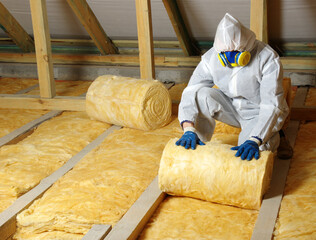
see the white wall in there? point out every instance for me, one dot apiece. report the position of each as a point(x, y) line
point(288, 19)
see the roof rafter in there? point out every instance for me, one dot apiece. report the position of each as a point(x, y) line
point(90, 22)
point(183, 35)
point(15, 31)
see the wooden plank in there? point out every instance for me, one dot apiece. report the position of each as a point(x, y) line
point(16, 101)
point(27, 127)
point(183, 35)
point(86, 16)
point(289, 63)
point(259, 19)
point(8, 216)
point(43, 48)
point(300, 97)
point(97, 232)
point(134, 220)
point(306, 113)
point(269, 210)
point(145, 39)
point(15, 31)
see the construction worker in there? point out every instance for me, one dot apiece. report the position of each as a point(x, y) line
point(248, 74)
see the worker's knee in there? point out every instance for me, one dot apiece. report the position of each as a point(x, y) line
point(207, 99)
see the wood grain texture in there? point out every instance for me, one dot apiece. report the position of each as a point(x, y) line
point(259, 19)
point(43, 48)
point(145, 39)
point(15, 31)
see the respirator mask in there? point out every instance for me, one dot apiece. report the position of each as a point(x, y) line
point(234, 58)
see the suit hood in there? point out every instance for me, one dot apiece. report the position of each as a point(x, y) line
point(232, 35)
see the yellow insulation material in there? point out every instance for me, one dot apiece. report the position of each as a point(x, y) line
point(12, 119)
point(100, 188)
point(213, 173)
point(188, 218)
point(297, 216)
point(67, 88)
point(24, 164)
point(13, 85)
point(129, 102)
point(311, 97)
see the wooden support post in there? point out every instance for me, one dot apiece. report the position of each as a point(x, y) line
point(145, 39)
point(43, 48)
point(15, 31)
point(259, 19)
point(180, 29)
point(135, 219)
point(93, 26)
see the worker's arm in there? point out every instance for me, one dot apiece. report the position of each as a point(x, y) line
point(188, 109)
point(273, 107)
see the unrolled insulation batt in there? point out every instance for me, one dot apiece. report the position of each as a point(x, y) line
point(129, 102)
point(54, 142)
point(213, 173)
point(297, 216)
point(100, 188)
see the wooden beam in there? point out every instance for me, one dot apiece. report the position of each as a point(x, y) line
point(8, 216)
point(306, 113)
point(97, 232)
point(135, 219)
point(86, 16)
point(259, 19)
point(15, 31)
point(289, 63)
point(145, 39)
point(180, 29)
point(43, 48)
point(16, 101)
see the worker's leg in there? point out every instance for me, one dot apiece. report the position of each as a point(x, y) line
point(213, 104)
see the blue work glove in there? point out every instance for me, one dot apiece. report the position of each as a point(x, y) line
point(189, 139)
point(248, 149)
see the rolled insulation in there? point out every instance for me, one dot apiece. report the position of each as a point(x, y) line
point(214, 174)
point(129, 102)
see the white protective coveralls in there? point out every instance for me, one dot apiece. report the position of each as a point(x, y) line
point(250, 97)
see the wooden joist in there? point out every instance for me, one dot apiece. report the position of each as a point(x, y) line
point(145, 39)
point(17, 101)
point(306, 113)
point(259, 19)
point(180, 29)
point(86, 16)
point(15, 31)
point(135, 219)
point(8, 216)
point(269, 210)
point(43, 48)
point(97, 232)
